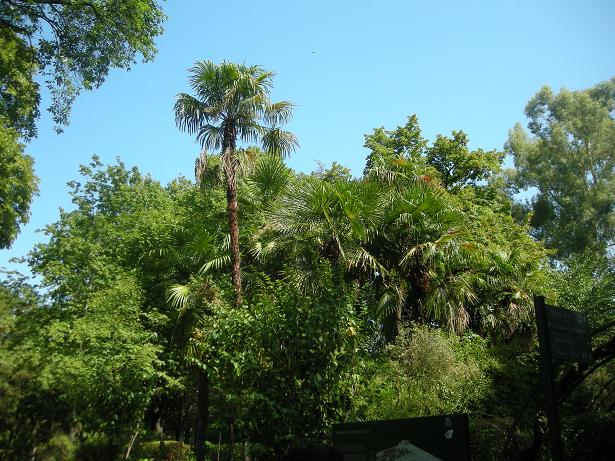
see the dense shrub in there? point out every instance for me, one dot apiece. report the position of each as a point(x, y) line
point(58, 448)
point(425, 372)
point(167, 450)
point(282, 365)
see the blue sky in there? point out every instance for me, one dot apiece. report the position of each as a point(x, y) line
point(349, 66)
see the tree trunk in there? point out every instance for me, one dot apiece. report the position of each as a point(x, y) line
point(230, 166)
point(202, 414)
point(231, 198)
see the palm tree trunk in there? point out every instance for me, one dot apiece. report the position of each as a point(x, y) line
point(230, 164)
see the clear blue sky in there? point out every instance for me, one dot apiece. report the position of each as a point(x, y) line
point(350, 66)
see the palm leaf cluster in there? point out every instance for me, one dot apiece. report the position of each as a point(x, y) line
point(230, 103)
point(407, 242)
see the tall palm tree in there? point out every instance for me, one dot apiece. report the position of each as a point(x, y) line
point(230, 104)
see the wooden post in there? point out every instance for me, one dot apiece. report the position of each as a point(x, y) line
point(548, 379)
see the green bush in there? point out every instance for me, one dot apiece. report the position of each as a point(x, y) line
point(590, 436)
point(425, 372)
point(166, 450)
point(282, 365)
point(58, 448)
point(97, 447)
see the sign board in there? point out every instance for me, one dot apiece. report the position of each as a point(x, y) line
point(429, 438)
point(568, 335)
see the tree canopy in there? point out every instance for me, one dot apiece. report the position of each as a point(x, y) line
point(72, 45)
point(569, 160)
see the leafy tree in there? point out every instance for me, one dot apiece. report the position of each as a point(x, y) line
point(416, 248)
point(284, 347)
point(19, 95)
point(70, 367)
point(102, 250)
point(72, 44)
point(17, 186)
point(17, 299)
point(337, 172)
point(231, 104)
point(586, 283)
point(448, 161)
point(569, 159)
point(446, 239)
point(457, 165)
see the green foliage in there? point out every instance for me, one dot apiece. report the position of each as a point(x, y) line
point(569, 159)
point(457, 165)
point(406, 292)
point(336, 173)
point(58, 448)
point(93, 354)
point(232, 104)
point(448, 161)
point(97, 446)
point(101, 360)
point(425, 372)
point(19, 95)
point(450, 250)
point(72, 45)
point(587, 284)
point(165, 450)
point(17, 299)
point(590, 436)
point(18, 185)
point(92, 364)
point(282, 347)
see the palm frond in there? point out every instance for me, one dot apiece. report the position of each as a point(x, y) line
point(270, 177)
point(210, 136)
point(226, 242)
point(361, 258)
point(279, 142)
point(179, 296)
point(190, 113)
point(216, 264)
point(391, 299)
point(278, 113)
point(249, 131)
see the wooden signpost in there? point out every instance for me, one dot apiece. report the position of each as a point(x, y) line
point(562, 335)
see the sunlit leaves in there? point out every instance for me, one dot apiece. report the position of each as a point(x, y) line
point(72, 46)
point(569, 159)
point(18, 185)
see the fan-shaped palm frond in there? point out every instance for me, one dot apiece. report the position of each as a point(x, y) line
point(391, 300)
point(268, 179)
point(279, 142)
point(216, 264)
point(178, 296)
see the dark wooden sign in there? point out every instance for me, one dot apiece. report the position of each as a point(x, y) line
point(429, 438)
point(568, 335)
point(562, 335)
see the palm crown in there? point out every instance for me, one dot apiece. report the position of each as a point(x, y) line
point(232, 103)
